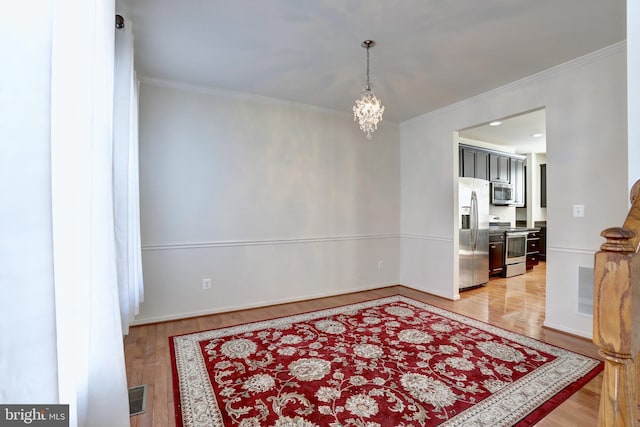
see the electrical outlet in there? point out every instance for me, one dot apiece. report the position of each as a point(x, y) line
point(206, 283)
point(380, 265)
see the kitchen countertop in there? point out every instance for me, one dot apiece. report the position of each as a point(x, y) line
point(498, 230)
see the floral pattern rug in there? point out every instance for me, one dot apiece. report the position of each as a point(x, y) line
point(388, 362)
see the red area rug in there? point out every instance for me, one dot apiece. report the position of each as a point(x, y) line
point(387, 362)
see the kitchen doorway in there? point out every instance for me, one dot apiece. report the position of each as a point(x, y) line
point(510, 153)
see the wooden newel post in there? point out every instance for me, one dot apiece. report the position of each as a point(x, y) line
point(616, 311)
point(616, 318)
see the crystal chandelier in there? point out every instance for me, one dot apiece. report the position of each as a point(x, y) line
point(368, 110)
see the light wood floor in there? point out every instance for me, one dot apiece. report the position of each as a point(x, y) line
point(517, 304)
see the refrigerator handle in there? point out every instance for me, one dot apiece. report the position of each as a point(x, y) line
point(474, 220)
point(477, 217)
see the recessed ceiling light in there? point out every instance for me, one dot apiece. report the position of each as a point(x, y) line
point(537, 135)
point(496, 123)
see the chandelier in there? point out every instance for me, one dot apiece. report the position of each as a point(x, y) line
point(368, 110)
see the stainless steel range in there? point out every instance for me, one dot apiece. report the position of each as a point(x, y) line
point(515, 254)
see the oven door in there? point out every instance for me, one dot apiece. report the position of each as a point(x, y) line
point(516, 247)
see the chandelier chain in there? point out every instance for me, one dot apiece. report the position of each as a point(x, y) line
point(368, 85)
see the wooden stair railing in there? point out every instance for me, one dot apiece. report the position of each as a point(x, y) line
point(616, 318)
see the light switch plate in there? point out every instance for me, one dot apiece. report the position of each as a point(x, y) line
point(578, 211)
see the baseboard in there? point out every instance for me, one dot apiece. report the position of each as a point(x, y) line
point(261, 304)
point(454, 297)
point(568, 331)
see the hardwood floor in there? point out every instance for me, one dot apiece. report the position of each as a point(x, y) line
point(517, 304)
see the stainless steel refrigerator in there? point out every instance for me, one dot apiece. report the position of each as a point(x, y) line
point(473, 223)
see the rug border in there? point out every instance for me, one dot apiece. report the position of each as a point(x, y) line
point(560, 397)
point(532, 418)
point(175, 384)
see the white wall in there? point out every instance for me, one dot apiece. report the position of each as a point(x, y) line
point(585, 103)
point(272, 201)
point(28, 366)
point(533, 212)
point(536, 212)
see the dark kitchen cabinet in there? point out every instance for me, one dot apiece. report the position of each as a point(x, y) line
point(533, 249)
point(517, 179)
point(482, 165)
point(494, 166)
point(467, 163)
point(474, 163)
point(542, 247)
point(543, 186)
point(496, 254)
point(498, 168)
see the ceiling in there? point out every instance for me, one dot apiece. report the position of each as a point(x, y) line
point(428, 53)
point(524, 133)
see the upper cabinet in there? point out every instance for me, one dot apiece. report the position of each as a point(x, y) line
point(498, 168)
point(474, 163)
point(494, 166)
point(518, 180)
point(543, 185)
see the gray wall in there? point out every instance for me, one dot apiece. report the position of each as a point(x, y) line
point(585, 103)
point(272, 201)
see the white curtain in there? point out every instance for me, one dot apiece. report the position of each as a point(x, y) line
point(125, 179)
point(90, 354)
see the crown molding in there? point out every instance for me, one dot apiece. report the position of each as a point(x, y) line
point(243, 96)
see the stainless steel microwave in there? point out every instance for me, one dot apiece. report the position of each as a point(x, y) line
point(501, 193)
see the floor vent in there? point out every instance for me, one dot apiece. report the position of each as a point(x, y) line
point(137, 400)
point(585, 290)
